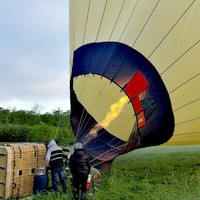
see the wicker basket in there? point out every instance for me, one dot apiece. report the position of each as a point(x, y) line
point(18, 164)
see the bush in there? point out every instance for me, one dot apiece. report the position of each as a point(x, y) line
point(64, 136)
point(41, 133)
point(14, 133)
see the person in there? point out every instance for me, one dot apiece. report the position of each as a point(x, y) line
point(79, 164)
point(54, 161)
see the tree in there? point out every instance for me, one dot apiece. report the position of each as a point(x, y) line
point(36, 109)
point(4, 115)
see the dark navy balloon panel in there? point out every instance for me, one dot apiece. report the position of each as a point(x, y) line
point(138, 78)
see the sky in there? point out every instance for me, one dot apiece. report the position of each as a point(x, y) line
point(34, 54)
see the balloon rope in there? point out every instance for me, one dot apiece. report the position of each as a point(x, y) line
point(85, 124)
point(101, 21)
point(103, 144)
point(180, 57)
point(86, 22)
point(186, 82)
point(190, 120)
point(116, 21)
point(198, 131)
point(93, 150)
point(105, 154)
point(82, 124)
point(185, 93)
point(171, 29)
point(187, 104)
point(146, 23)
point(128, 20)
point(61, 123)
point(81, 121)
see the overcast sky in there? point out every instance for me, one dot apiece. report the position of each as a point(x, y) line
point(34, 54)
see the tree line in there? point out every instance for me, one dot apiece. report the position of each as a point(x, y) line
point(32, 126)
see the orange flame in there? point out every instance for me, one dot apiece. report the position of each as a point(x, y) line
point(115, 109)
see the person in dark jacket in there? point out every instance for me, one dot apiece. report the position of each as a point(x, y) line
point(79, 164)
point(54, 161)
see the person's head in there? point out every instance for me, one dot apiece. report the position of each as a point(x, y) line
point(51, 143)
point(78, 145)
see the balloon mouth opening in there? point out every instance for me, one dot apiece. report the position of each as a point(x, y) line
point(108, 104)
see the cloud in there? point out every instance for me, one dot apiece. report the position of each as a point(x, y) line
point(34, 49)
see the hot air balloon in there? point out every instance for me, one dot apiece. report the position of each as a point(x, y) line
point(134, 75)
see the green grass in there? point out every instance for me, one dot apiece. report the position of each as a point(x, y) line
point(154, 173)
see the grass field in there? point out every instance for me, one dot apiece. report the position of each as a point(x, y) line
point(153, 173)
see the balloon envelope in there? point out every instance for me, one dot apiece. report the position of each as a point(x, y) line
point(134, 74)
